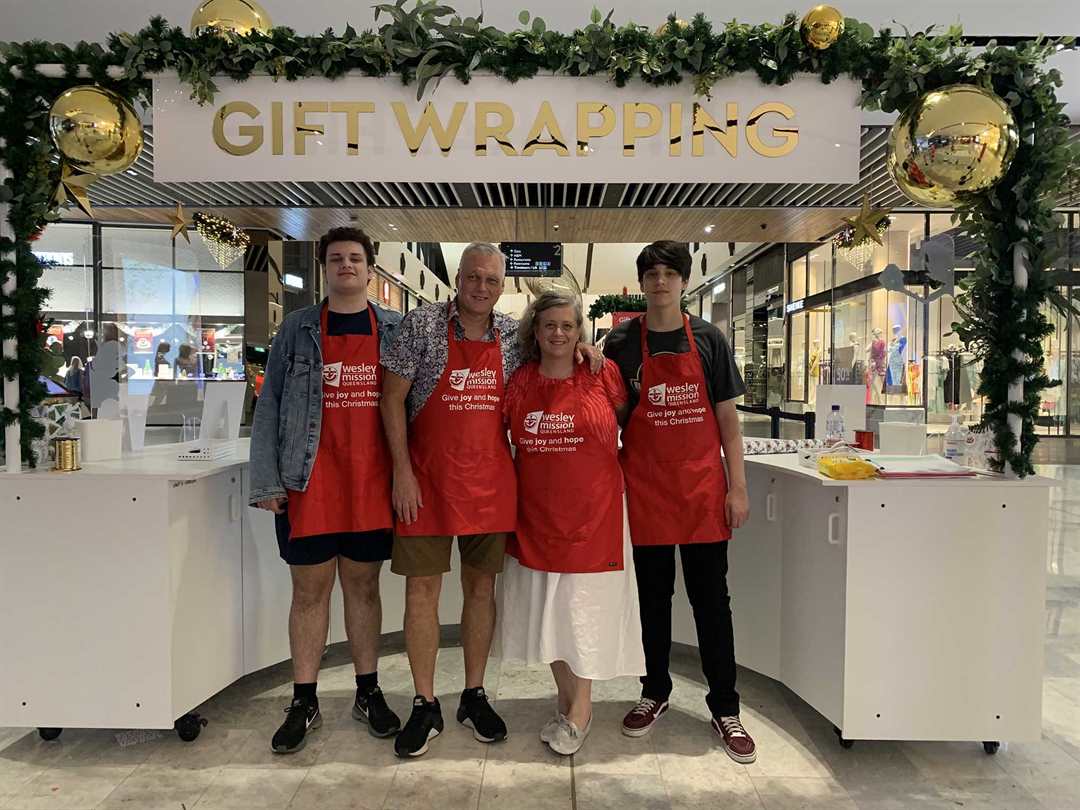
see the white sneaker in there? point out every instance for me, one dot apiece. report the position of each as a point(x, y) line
point(551, 727)
point(569, 738)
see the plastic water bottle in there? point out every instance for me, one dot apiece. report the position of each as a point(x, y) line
point(834, 426)
point(955, 441)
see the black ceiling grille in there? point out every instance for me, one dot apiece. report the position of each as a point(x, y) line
point(136, 188)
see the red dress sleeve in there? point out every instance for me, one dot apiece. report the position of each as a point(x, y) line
point(612, 380)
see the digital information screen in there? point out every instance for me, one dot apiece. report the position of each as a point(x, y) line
point(532, 259)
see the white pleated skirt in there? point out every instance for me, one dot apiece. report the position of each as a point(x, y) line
point(590, 621)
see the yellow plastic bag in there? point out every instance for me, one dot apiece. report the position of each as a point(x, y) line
point(846, 468)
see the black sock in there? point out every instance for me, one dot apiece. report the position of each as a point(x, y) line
point(471, 694)
point(367, 683)
point(306, 693)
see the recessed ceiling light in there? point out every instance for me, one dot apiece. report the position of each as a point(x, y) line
point(709, 228)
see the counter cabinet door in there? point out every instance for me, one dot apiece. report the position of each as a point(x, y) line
point(814, 565)
point(754, 574)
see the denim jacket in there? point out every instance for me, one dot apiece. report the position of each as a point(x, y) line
point(288, 416)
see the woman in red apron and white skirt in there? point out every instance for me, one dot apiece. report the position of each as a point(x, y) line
point(569, 597)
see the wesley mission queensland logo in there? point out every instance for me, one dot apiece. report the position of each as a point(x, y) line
point(462, 379)
point(549, 423)
point(682, 394)
point(331, 374)
point(458, 378)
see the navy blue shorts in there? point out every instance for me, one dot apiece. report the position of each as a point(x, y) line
point(373, 546)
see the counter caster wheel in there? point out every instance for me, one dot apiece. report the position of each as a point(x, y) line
point(49, 733)
point(844, 742)
point(991, 746)
point(189, 726)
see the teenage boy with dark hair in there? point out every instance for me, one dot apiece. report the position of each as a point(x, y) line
point(320, 463)
point(682, 383)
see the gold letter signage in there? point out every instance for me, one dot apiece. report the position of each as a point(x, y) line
point(555, 129)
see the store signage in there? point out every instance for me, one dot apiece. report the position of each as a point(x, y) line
point(794, 306)
point(545, 129)
point(619, 317)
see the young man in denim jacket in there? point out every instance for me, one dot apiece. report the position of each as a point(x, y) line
point(319, 462)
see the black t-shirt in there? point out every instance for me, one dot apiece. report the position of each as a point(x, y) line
point(623, 345)
point(348, 323)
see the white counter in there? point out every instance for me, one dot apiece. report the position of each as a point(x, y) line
point(897, 609)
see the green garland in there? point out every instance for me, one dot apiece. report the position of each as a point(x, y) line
point(607, 304)
point(429, 41)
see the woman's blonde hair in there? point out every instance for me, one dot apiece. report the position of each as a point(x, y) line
point(530, 349)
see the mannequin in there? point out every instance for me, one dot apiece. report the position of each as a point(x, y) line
point(815, 362)
point(858, 363)
point(813, 373)
point(896, 368)
point(876, 367)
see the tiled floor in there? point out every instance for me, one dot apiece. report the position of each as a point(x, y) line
point(679, 766)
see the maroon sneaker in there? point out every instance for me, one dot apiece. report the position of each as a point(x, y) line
point(640, 719)
point(739, 745)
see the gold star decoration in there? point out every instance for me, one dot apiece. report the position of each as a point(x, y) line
point(865, 225)
point(179, 224)
point(74, 184)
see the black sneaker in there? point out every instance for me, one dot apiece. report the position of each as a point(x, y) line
point(371, 708)
point(476, 713)
point(301, 717)
point(425, 723)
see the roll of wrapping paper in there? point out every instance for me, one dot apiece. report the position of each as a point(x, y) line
point(66, 454)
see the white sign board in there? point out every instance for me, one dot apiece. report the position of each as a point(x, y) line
point(852, 402)
point(557, 129)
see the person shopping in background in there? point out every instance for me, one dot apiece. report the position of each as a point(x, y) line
point(319, 461)
point(453, 476)
point(187, 362)
point(682, 384)
point(568, 597)
point(73, 376)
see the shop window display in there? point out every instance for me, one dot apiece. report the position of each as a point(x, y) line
point(67, 251)
point(1051, 418)
point(819, 270)
point(797, 391)
point(819, 363)
point(1073, 391)
point(738, 343)
point(878, 344)
point(177, 328)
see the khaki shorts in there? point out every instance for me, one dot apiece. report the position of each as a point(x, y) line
point(428, 556)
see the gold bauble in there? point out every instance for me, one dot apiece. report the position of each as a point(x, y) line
point(664, 27)
point(822, 26)
point(565, 284)
point(230, 17)
point(95, 129)
point(959, 138)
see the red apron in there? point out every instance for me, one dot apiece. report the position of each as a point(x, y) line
point(671, 456)
point(350, 484)
point(457, 443)
point(570, 484)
